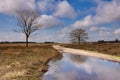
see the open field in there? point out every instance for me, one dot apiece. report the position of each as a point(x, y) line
point(105, 48)
point(20, 63)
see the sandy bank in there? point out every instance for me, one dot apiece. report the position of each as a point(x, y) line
point(86, 53)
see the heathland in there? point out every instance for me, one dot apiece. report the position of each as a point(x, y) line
point(105, 48)
point(18, 62)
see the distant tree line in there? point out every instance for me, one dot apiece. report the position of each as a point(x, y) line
point(19, 42)
point(49, 42)
point(16, 42)
point(80, 35)
point(115, 41)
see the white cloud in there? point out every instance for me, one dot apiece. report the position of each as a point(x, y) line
point(49, 21)
point(103, 28)
point(10, 6)
point(11, 36)
point(101, 33)
point(55, 37)
point(93, 28)
point(42, 37)
point(117, 31)
point(78, 24)
point(64, 9)
point(46, 5)
point(83, 23)
point(107, 12)
point(104, 34)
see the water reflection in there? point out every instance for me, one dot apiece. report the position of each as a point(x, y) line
point(76, 67)
point(78, 58)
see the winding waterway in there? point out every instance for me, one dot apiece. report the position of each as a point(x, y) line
point(77, 67)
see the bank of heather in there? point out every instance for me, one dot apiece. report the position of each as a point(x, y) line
point(109, 51)
point(20, 63)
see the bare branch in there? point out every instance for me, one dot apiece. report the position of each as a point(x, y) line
point(27, 22)
point(78, 35)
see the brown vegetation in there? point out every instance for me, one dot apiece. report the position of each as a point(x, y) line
point(106, 48)
point(20, 63)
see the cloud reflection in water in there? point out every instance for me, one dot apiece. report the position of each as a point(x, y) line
point(76, 67)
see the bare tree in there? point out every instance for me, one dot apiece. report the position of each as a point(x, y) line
point(78, 58)
point(27, 22)
point(78, 35)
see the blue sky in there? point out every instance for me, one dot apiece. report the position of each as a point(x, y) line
point(100, 18)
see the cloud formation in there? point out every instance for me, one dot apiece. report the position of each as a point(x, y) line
point(117, 32)
point(64, 9)
point(106, 12)
point(46, 5)
point(11, 36)
point(10, 6)
point(49, 21)
point(54, 11)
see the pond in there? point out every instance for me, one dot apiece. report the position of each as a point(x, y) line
point(77, 67)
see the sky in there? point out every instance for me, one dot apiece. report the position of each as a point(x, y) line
point(100, 19)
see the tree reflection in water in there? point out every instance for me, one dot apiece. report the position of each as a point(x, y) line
point(78, 58)
point(78, 67)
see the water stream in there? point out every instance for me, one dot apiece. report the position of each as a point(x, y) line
point(76, 67)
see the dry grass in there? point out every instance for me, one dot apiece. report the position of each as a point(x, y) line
point(106, 48)
point(20, 63)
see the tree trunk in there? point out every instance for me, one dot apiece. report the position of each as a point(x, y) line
point(26, 41)
point(79, 41)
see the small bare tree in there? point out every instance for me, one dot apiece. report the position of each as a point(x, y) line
point(78, 35)
point(27, 23)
